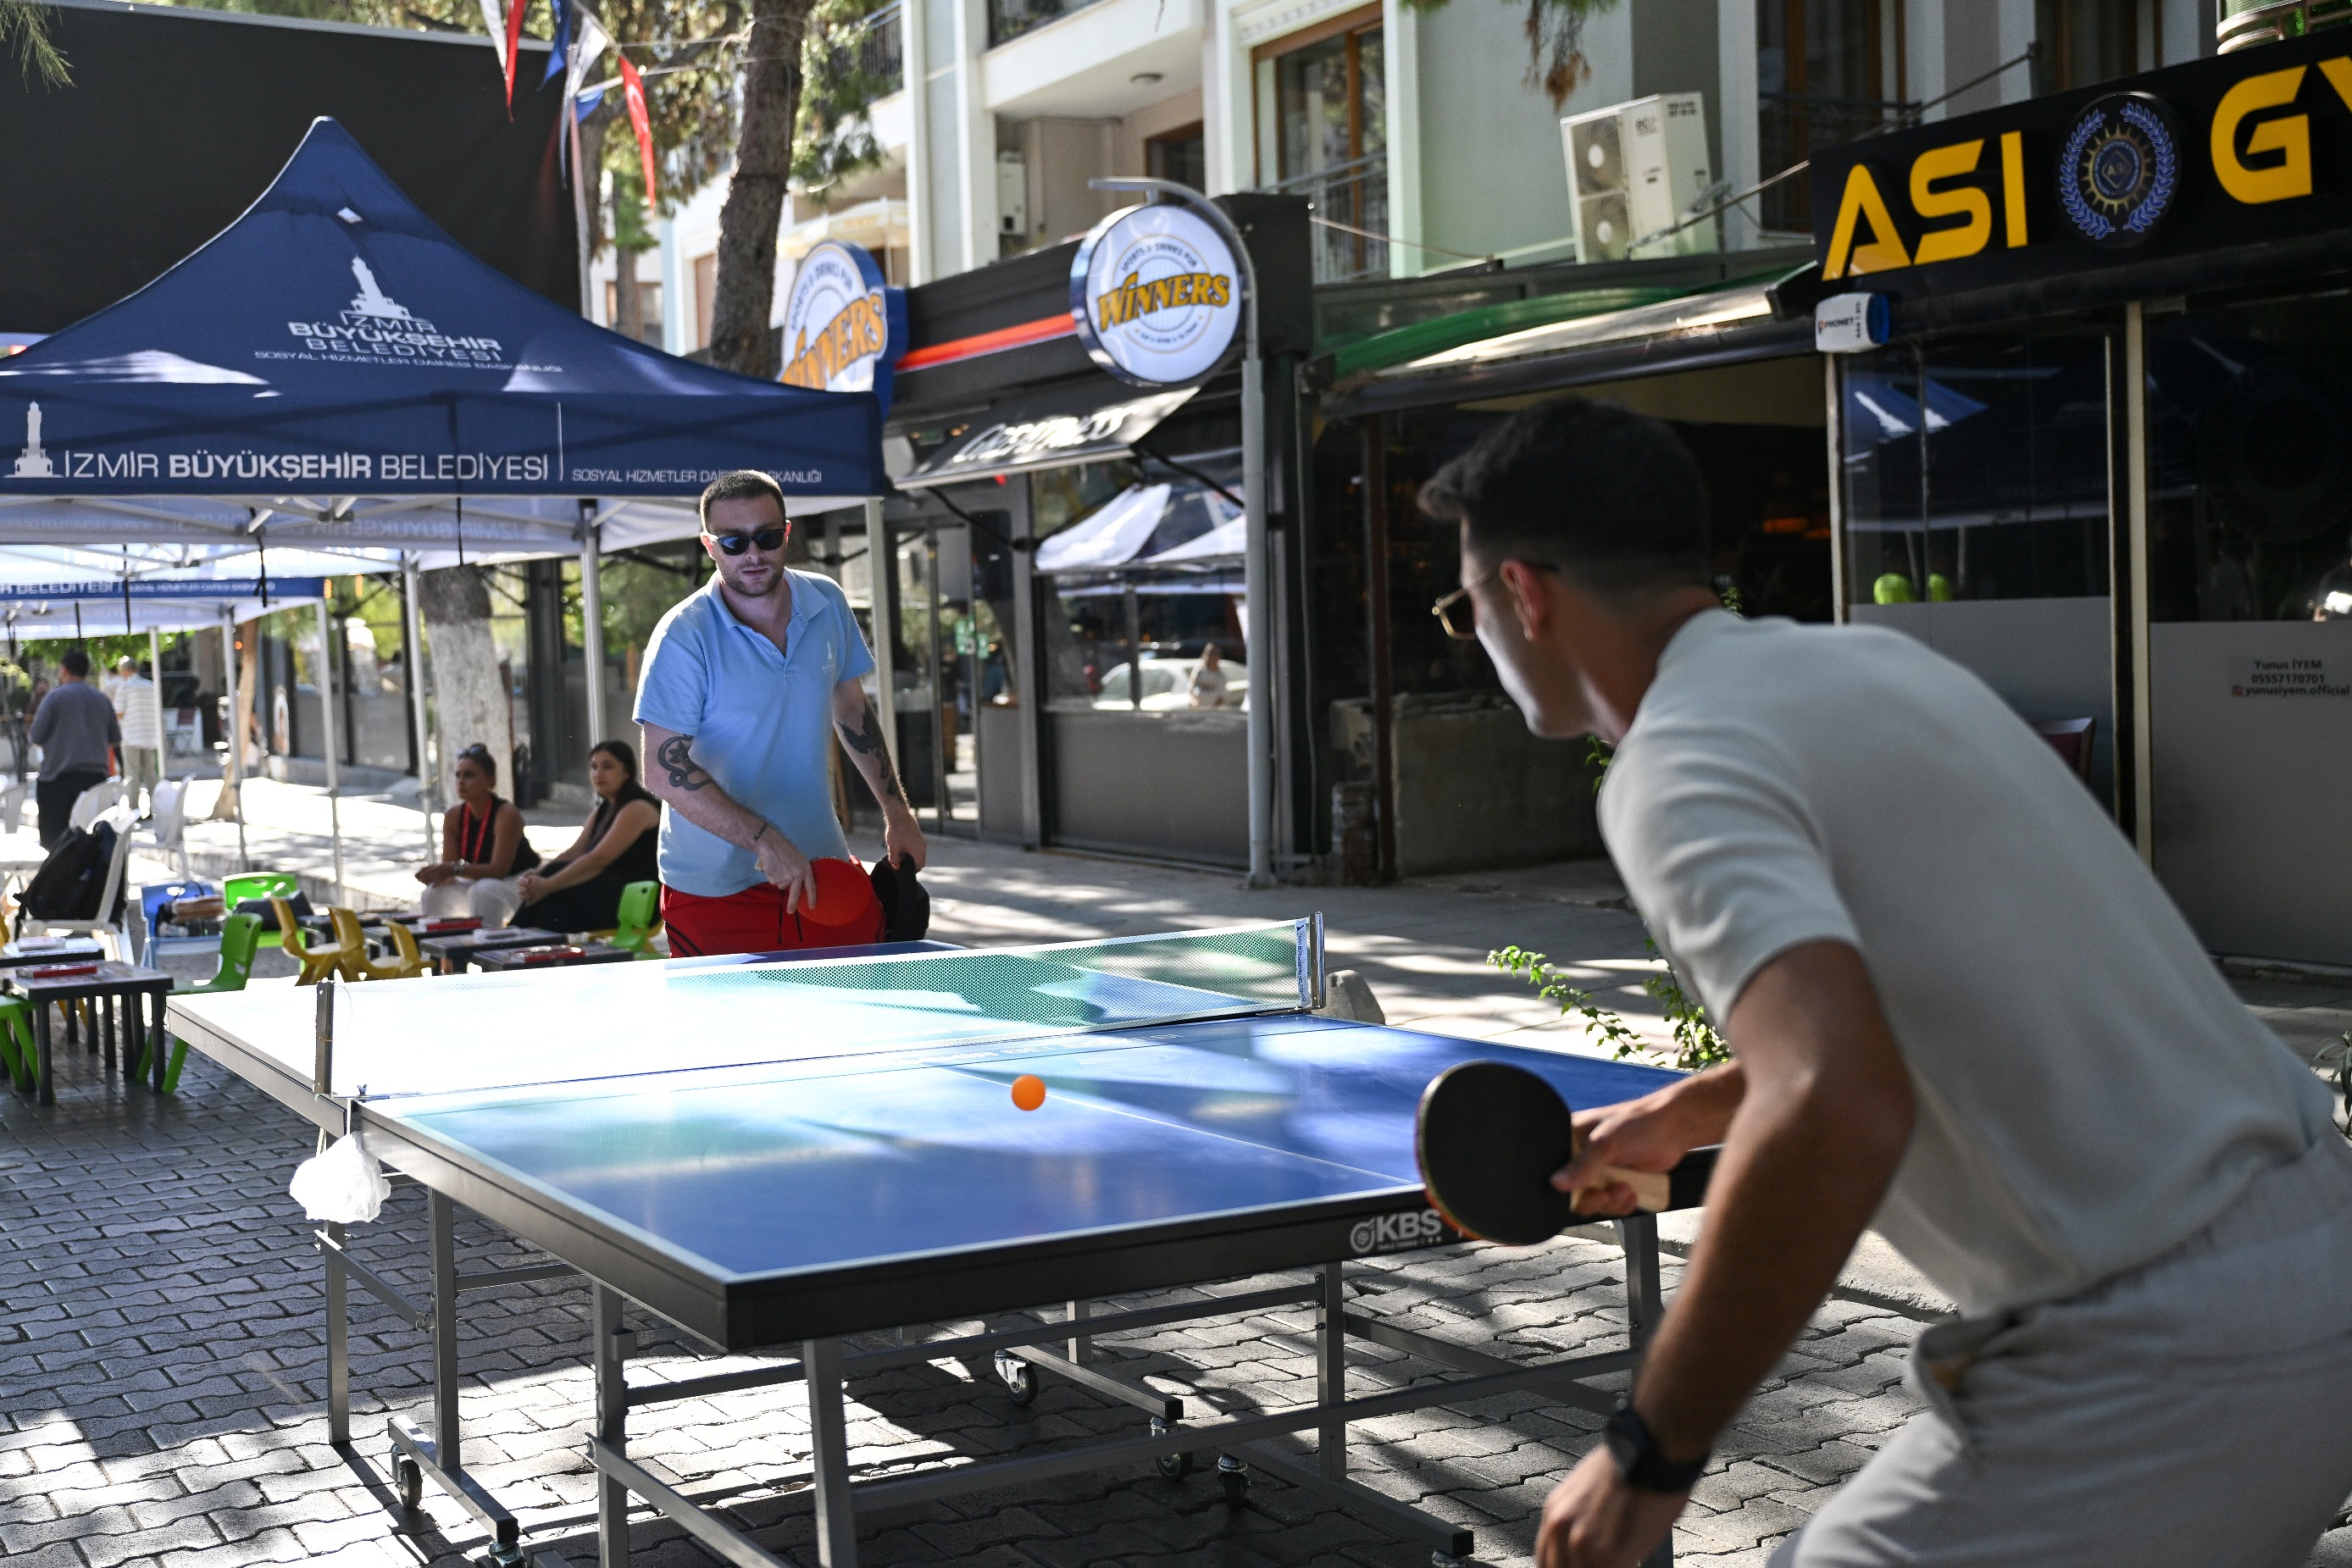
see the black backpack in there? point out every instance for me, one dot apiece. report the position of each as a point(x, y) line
point(68, 885)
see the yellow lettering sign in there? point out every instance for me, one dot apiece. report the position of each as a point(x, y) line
point(2012, 188)
point(2289, 136)
point(861, 328)
point(1964, 202)
point(2338, 72)
point(1883, 252)
point(1136, 298)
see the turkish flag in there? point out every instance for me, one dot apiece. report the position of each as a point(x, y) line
point(514, 44)
point(633, 90)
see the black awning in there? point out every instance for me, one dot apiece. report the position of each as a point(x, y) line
point(1045, 430)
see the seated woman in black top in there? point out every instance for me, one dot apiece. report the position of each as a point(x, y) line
point(580, 890)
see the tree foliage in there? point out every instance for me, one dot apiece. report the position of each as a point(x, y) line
point(842, 73)
point(25, 33)
point(1555, 29)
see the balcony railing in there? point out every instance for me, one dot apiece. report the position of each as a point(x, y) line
point(881, 50)
point(1008, 19)
point(1793, 126)
point(1348, 210)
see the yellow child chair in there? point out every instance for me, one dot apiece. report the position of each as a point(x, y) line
point(320, 959)
point(406, 964)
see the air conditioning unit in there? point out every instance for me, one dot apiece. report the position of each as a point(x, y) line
point(1013, 195)
point(1635, 170)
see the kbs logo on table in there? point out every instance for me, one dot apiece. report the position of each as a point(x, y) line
point(1400, 1232)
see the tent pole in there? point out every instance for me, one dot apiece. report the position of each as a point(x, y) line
point(414, 627)
point(235, 771)
point(591, 620)
point(155, 674)
point(328, 704)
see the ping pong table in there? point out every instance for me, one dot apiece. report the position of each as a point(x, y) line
point(801, 1154)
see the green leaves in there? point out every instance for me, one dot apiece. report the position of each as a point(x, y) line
point(849, 58)
point(1555, 31)
point(25, 33)
point(1697, 1042)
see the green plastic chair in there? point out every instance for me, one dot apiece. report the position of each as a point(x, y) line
point(241, 938)
point(640, 918)
point(18, 1055)
point(256, 886)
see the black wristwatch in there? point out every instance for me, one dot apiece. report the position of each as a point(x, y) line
point(1639, 1464)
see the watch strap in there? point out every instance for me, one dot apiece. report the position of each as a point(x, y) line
point(1634, 1447)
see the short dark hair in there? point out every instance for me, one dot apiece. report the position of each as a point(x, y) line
point(477, 752)
point(1611, 497)
point(75, 662)
point(741, 484)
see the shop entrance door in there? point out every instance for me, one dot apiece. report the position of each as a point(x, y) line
point(951, 666)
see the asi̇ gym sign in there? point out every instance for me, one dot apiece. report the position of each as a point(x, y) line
point(2240, 150)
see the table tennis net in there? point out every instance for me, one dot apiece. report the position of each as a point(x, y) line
point(612, 1021)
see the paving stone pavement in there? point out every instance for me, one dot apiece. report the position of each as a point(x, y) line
point(162, 1351)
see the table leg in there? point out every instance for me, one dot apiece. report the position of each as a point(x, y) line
point(73, 1023)
point(1331, 1372)
point(836, 1524)
point(159, 1042)
point(608, 1349)
point(1644, 1297)
point(442, 1223)
point(108, 1005)
point(338, 1346)
point(41, 1040)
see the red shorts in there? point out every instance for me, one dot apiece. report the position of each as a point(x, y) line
point(755, 921)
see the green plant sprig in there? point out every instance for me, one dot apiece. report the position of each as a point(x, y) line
point(1697, 1042)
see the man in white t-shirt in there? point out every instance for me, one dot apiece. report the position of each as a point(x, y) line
point(1964, 1013)
point(137, 708)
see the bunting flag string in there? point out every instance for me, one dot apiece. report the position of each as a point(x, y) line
point(494, 18)
point(562, 42)
point(514, 49)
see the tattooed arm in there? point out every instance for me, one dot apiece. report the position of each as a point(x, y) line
point(693, 794)
point(860, 728)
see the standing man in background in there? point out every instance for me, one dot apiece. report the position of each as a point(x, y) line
point(746, 685)
point(76, 732)
point(138, 712)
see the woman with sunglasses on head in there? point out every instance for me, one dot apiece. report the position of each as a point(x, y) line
point(747, 686)
point(483, 850)
point(580, 890)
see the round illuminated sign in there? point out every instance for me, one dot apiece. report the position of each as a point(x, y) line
point(843, 329)
point(1158, 295)
point(2119, 173)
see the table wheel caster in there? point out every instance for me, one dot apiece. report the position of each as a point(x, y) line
point(1020, 1378)
point(1171, 1466)
point(1234, 1476)
point(409, 1480)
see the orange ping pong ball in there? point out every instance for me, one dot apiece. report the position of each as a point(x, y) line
point(1028, 1091)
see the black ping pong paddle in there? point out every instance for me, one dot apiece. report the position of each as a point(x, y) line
point(1488, 1137)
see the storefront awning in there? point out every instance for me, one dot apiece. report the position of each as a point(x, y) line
point(1049, 429)
point(1720, 326)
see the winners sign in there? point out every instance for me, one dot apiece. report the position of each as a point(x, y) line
point(1157, 293)
point(843, 328)
point(2240, 151)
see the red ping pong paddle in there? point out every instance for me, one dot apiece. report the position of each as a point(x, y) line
point(60, 971)
point(1489, 1135)
point(551, 954)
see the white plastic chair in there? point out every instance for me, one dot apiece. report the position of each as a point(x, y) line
point(167, 823)
point(94, 802)
point(13, 797)
point(115, 934)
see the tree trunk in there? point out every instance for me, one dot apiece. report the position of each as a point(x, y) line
point(629, 307)
point(755, 197)
point(469, 703)
point(592, 159)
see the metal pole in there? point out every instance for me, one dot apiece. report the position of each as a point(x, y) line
point(591, 620)
point(328, 703)
point(235, 773)
point(412, 628)
point(1257, 641)
point(155, 674)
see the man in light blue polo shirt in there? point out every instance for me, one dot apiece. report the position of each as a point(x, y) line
point(744, 688)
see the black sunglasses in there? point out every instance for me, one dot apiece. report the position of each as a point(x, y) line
point(766, 538)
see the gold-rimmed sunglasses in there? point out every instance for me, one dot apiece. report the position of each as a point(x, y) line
point(1458, 604)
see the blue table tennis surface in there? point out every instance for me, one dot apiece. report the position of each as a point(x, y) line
point(770, 1170)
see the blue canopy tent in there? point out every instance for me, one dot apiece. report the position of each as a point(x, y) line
point(332, 371)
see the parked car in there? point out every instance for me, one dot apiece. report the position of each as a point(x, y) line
point(1168, 686)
